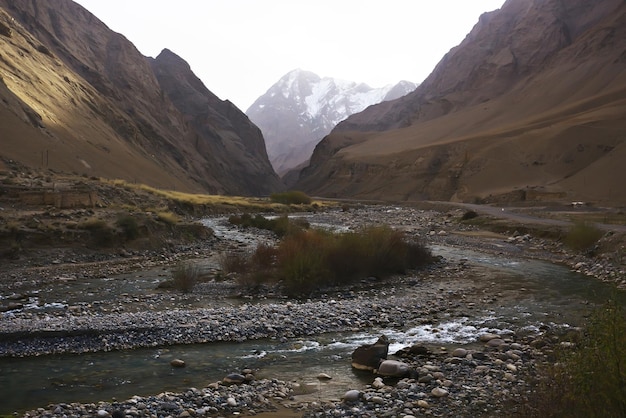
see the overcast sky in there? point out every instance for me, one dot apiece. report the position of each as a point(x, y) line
point(240, 48)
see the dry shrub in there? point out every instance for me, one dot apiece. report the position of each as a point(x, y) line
point(281, 226)
point(310, 260)
point(591, 377)
point(185, 276)
point(129, 226)
point(583, 236)
point(168, 217)
point(264, 257)
point(470, 214)
point(234, 262)
point(101, 232)
point(292, 197)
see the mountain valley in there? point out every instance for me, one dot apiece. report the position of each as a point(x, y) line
point(80, 98)
point(528, 108)
point(302, 107)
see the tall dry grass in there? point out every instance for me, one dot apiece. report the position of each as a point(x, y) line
point(309, 260)
point(588, 380)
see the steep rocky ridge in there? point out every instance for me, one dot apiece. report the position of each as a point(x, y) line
point(527, 107)
point(222, 131)
point(302, 107)
point(77, 97)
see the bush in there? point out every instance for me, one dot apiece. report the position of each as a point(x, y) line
point(308, 260)
point(583, 236)
point(264, 257)
point(591, 377)
point(470, 214)
point(281, 226)
point(250, 271)
point(129, 226)
point(234, 262)
point(293, 197)
point(101, 233)
point(302, 261)
point(185, 276)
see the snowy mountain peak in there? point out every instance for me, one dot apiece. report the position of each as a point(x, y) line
point(302, 107)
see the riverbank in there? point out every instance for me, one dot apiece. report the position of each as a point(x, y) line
point(489, 379)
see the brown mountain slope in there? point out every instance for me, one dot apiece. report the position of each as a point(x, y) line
point(77, 97)
point(529, 106)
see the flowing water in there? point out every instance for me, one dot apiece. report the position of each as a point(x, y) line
point(529, 293)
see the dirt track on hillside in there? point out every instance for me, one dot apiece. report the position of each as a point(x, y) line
point(513, 214)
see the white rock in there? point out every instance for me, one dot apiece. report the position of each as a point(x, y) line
point(378, 383)
point(439, 392)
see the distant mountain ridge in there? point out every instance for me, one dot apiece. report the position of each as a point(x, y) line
point(302, 107)
point(528, 107)
point(84, 97)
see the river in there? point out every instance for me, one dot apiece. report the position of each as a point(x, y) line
point(528, 293)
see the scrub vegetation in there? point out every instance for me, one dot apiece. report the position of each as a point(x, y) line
point(307, 261)
point(588, 378)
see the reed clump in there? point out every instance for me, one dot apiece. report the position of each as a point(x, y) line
point(310, 260)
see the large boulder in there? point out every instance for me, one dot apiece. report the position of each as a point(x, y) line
point(368, 357)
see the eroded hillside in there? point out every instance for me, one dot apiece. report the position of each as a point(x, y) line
point(79, 98)
point(528, 107)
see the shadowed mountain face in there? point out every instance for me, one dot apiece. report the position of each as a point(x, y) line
point(528, 107)
point(77, 97)
point(302, 108)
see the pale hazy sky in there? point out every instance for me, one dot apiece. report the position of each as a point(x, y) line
point(240, 48)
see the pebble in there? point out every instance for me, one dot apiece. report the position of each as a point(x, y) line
point(459, 352)
point(378, 383)
point(177, 363)
point(439, 392)
point(352, 395)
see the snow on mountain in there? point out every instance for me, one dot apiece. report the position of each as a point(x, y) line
point(301, 108)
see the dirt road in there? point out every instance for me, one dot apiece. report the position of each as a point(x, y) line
point(513, 214)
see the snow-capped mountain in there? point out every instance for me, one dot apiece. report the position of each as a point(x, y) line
point(302, 108)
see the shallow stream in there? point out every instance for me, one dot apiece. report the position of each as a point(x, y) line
point(528, 294)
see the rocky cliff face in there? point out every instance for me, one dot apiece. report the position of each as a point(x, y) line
point(526, 105)
point(302, 107)
point(78, 97)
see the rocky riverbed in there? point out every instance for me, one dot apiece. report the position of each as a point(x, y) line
point(489, 377)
